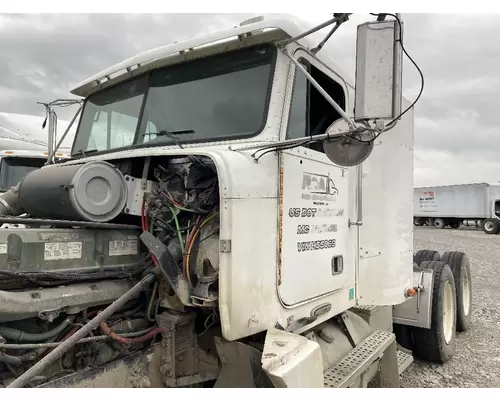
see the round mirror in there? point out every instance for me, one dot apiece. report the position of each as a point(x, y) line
point(349, 150)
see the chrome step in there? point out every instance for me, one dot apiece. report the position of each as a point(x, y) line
point(404, 361)
point(363, 308)
point(358, 360)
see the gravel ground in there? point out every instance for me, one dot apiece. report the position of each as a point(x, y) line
point(477, 359)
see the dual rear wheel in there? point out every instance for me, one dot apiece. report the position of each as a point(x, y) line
point(451, 305)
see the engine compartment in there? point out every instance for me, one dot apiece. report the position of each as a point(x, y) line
point(78, 255)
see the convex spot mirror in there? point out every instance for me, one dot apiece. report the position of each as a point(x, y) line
point(350, 149)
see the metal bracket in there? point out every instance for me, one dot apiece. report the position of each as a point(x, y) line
point(419, 289)
point(169, 267)
point(333, 103)
point(144, 181)
point(225, 246)
point(417, 310)
point(349, 330)
point(183, 362)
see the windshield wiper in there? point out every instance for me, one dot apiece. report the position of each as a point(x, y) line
point(84, 152)
point(171, 135)
point(179, 132)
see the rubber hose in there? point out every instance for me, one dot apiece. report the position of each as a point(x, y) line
point(20, 336)
point(10, 360)
point(85, 330)
point(123, 340)
point(30, 356)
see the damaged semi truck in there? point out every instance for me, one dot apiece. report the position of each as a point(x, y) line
point(224, 222)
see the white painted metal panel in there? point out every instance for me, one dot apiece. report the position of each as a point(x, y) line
point(386, 236)
point(314, 228)
point(249, 274)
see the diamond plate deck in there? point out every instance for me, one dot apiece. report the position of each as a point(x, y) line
point(404, 361)
point(364, 308)
point(358, 360)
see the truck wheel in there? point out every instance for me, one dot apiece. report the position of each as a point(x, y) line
point(426, 255)
point(455, 224)
point(459, 264)
point(439, 223)
point(491, 226)
point(437, 344)
point(418, 221)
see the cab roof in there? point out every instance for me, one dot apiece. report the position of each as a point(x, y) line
point(256, 30)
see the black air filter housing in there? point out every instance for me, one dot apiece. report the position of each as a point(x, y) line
point(95, 191)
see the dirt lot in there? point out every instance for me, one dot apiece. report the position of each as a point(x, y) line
point(477, 361)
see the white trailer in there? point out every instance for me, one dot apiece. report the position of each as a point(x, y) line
point(231, 197)
point(26, 132)
point(452, 205)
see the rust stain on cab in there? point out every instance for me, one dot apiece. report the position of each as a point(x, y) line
point(280, 227)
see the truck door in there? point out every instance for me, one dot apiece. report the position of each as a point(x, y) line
point(313, 229)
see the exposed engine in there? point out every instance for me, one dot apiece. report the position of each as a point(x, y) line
point(93, 231)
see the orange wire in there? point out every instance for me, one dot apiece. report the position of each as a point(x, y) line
point(191, 243)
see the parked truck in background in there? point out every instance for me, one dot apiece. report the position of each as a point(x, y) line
point(454, 205)
point(226, 196)
point(16, 164)
point(26, 132)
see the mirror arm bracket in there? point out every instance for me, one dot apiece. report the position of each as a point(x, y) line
point(333, 103)
point(337, 19)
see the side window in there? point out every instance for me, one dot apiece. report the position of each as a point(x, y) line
point(310, 112)
point(112, 129)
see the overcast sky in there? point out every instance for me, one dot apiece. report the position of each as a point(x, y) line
point(457, 139)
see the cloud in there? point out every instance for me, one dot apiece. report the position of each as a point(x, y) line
point(43, 56)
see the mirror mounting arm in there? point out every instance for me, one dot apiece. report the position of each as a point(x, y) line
point(344, 18)
point(52, 119)
point(328, 98)
point(337, 19)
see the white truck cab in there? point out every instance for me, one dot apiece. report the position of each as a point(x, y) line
point(15, 164)
point(262, 207)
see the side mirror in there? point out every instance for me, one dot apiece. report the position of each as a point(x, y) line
point(379, 68)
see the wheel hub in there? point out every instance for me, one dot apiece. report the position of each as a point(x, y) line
point(448, 312)
point(466, 292)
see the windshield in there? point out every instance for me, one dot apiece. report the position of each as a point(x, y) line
point(220, 97)
point(13, 169)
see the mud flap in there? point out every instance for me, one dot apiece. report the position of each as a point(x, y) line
point(292, 360)
point(241, 366)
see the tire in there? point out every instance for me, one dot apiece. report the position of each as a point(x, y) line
point(439, 223)
point(426, 255)
point(459, 264)
point(491, 226)
point(438, 344)
point(418, 221)
point(455, 224)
